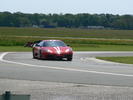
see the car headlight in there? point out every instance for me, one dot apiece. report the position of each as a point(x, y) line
point(68, 50)
point(48, 51)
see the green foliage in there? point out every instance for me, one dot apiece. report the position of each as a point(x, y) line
point(66, 20)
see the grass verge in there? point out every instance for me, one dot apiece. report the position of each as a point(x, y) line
point(14, 49)
point(126, 60)
point(79, 47)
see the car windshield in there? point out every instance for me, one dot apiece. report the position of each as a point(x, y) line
point(54, 44)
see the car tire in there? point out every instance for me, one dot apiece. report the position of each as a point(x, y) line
point(40, 55)
point(34, 57)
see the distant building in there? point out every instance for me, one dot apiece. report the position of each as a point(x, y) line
point(47, 26)
point(35, 26)
point(95, 27)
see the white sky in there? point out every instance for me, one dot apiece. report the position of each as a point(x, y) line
point(68, 6)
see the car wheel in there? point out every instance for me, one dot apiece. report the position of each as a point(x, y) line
point(34, 57)
point(40, 55)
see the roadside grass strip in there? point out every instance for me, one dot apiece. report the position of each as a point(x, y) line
point(79, 47)
point(126, 60)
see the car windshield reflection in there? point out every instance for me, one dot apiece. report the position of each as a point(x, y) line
point(54, 44)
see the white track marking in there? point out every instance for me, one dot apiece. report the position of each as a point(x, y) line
point(59, 68)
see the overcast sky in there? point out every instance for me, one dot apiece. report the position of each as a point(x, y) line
point(68, 6)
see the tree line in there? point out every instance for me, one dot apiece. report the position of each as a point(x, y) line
point(83, 20)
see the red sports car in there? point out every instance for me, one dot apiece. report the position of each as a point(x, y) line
point(52, 49)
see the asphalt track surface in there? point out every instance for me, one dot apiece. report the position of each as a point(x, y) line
point(84, 69)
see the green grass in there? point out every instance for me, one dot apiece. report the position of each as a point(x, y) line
point(126, 60)
point(20, 41)
point(79, 47)
point(67, 32)
point(14, 49)
point(13, 39)
point(102, 48)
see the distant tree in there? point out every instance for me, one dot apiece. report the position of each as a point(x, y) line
point(19, 19)
point(124, 22)
point(6, 19)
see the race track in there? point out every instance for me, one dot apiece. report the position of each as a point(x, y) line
point(84, 69)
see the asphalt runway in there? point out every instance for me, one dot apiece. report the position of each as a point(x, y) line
point(84, 69)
